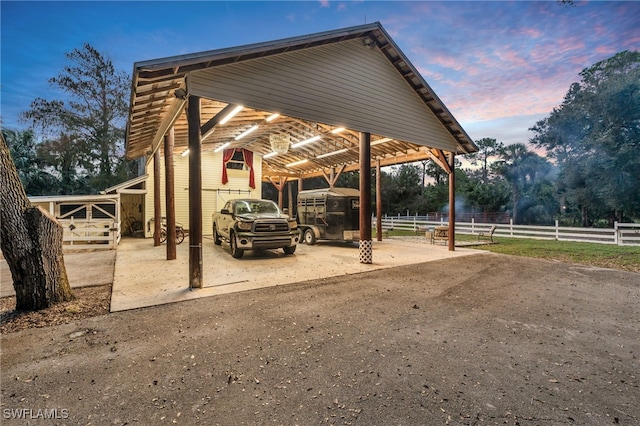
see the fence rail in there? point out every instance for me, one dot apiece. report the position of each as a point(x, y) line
point(89, 234)
point(623, 234)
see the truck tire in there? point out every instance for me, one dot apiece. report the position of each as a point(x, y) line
point(236, 252)
point(309, 237)
point(289, 250)
point(216, 238)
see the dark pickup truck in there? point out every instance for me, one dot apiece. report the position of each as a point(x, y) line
point(251, 224)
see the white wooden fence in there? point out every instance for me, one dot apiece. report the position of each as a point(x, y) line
point(622, 234)
point(89, 234)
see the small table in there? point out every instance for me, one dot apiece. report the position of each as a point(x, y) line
point(441, 233)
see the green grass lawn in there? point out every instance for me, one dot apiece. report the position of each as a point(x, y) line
point(603, 255)
point(625, 258)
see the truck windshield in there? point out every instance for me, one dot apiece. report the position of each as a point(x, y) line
point(256, 207)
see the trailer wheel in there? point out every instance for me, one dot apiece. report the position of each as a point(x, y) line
point(309, 237)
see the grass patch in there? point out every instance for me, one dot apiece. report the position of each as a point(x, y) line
point(625, 258)
point(592, 254)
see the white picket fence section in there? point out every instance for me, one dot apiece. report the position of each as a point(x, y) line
point(89, 234)
point(622, 234)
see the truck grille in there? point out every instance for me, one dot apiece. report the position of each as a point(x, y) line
point(271, 226)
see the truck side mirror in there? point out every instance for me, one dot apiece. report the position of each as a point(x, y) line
point(225, 211)
point(285, 211)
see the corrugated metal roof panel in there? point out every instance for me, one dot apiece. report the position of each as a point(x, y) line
point(344, 83)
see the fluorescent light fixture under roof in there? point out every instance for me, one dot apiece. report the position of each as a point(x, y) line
point(221, 147)
point(297, 163)
point(340, 151)
point(231, 114)
point(269, 155)
point(338, 130)
point(379, 141)
point(306, 141)
point(246, 132)
point(185, 152)
point(272, 117)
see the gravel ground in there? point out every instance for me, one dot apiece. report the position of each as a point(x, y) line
point(486, 339)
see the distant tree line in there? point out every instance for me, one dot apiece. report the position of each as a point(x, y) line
point(590, 175)
point(79, 144)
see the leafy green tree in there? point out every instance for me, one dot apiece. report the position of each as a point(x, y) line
point(488, 148)
point(63, 156)
point(94, 113)
point(594, 137)
point(404, 190)
point(31, 169)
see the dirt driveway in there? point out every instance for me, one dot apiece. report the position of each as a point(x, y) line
point(486, 339)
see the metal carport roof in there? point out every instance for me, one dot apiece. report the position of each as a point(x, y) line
point(354, 78)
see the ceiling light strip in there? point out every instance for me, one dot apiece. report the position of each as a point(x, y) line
point(231, 114)
point(297, 163)
point(379, 141)
point(306, 141)
point(246, 132)
point(272, 117)
point(328, 154)
point(221, 147)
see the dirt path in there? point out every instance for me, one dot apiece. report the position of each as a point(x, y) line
point(486, 339)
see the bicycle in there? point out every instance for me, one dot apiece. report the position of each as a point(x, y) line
point(163, 232)
point(133, 226)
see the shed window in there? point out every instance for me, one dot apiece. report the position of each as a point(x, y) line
point(237, 162)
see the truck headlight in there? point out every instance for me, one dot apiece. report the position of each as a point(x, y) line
point(293, 224)
point(244, 226)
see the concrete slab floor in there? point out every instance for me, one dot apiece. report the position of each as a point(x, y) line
point(143, 277)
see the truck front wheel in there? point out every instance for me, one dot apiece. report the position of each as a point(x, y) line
point(289, 250)
point(233, 245)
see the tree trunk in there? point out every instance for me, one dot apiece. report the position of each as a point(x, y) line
point(31, 242)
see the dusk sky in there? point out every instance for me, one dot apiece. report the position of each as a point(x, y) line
point(498, 66)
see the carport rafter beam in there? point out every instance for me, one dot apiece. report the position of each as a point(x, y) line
point(390, 161)
point(174, 111)
point(208, 127)
point(333, 175)
point(439, 157)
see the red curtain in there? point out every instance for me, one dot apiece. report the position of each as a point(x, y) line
point(248, 160)
point(227, 155)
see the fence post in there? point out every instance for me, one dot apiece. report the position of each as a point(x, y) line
point(557, 231)
point(511, 227)
point(616, 233)
point(473, 223)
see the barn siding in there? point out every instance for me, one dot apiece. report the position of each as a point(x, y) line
point(344, 83)
point(214, 193)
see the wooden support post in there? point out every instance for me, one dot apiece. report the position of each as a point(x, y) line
point(366, 245)
point(290, 197)
point(378, 202)
point(279, 186)
point(157, 206)
point(452, 202)
point(169, 194)
point(195, 193)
